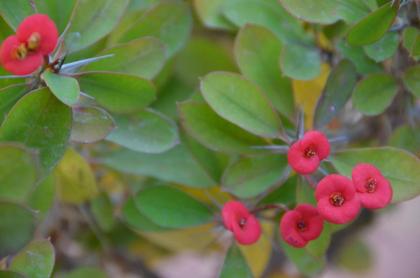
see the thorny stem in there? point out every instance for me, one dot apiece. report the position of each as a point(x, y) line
point(271, 206)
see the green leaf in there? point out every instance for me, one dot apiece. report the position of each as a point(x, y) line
point(10, 274)
point(171, 208)
point(267, 13)
point(17, 226)
point(400, 167)
point(372, 27)
point(411, 41)
point(75, 180)
point(235, 264)
point(36, 260)
point(39, 121)
point(42, 198)
point(169, 21)
point(93, 20)
point(144, 57)
point(355, 256)
point(250, 176)
point(210, 13)
point(14, 12)
point(18, 172)
point(285, 194)
point(374, 93)
point(406, 137)
point(411, 79)
point(305, 192)
point(58, 11)
point(300, 62)
point(136, 220)
point(257, 51)
point(9, 96)
point(5, 30)
point(176, 165)
point(86, 272)
point(337, 92)
point(214, 132)
point(103, 212)
point(90, 124)
point(146, 131)
point(326, 12)
point(363, 63)
point(120, 93)
point(384, 48)
point(240, 102)
point(66, 89)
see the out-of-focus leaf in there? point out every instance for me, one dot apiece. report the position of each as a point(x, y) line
point(103, 212)
point(235, 264)
point(171, 208)
point(384, 48)
point(398, 166)
point(406, 137)
point(267, 13)
point(17, 226)
point(10, 274)
point(214, 132)
point(169, 21)
point(14, 12)
point(5, 29)
point(337, 92)
point(147, 131)
point(58, 11)
point(85, 272)
point(42, 198)
point(285, 194)
point(90, 124)
point(300, 62)
point(8, 97)
point(176, 165)
point(257, 51)
point(411, 79)
point(249, 176)
point(305, 192)
point(46, 119)
point(326, 12)
point(372, 27)
point(363, 63)
point(210, 13)
point(93, 20)
point(36, 260)
point(75, 180)
point(411, 41)
point(240, 102)
point(120, 93)
point(374, 94)
point(191, 64)
point(18, 172)
point(136, 220)
point(355, 256)
point(144, 57)
point(65, 88)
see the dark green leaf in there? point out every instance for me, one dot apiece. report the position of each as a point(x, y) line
point(36, 260)
point(384, 48)
point(9, 96)
point(144, 57)
point(372, 27)
point(39, 121)
point(240, 102)
point(58, 11)
point(411, 79)
point(66, 89)
point(257, 51)
point(42, 198)
point(411, 41)
point(120, 93)
point(10, 274)
point(300, 62)
point(171, 208)
point(285, 194)
point(235, 264)
point(103, 212)
point(363, 63)
point(337, 92)
point(132, 216)
point(17, 226)
point(406, 137)
point(400, 167)
point(146, 131)
point(375, 93)
point(214, 132)
point(14, 12)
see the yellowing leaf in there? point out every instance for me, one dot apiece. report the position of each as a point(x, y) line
point(308, 92)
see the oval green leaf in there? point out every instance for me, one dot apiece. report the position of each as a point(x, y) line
point(300, 62)
point(117, 92)
point(239, 101)
point(9, 96)
point(375, 93)
point(411, 79)
point(400, 167)
point(235, 264)
point(65, 88)
point(172, 208)
point(384, 48)
point(135, 220)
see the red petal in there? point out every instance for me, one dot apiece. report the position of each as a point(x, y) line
point(313, 220)
point(248, 234)
point(44, 26)
point(232, 211)
point(339, 215)
point(335, 183)
point(288, 229)
point(380, 198)
point(297, 160)
point(319, 141)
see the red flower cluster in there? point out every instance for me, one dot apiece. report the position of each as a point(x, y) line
point(241, 222)
point(24, 52)
point(306, 154)
point(339, 201)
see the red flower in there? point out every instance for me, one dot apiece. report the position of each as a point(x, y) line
point(35, 37)
point(305, 155)
point(241, 223)
point(337, 200)
point(373, 189)
point(299, 226)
